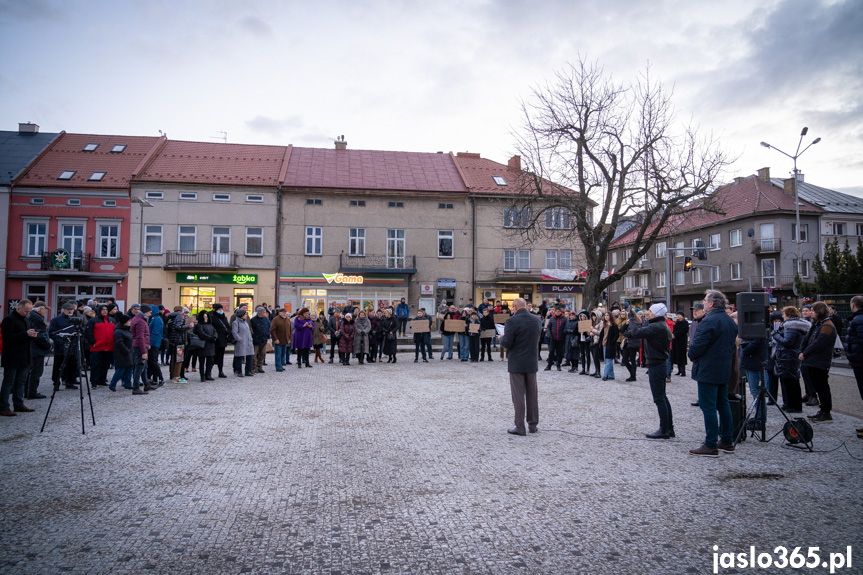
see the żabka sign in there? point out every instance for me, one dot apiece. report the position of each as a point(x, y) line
point(340, 278)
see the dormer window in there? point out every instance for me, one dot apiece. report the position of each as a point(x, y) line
point(91, 147)
point(118, 149)
point(66, 175)
point(499, 180)
point(97, 176)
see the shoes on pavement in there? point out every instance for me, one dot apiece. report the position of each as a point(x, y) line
point(8, 413)
point(821, 417)
point(704, 451)
point(695, 404)
point(630, 379)
point(658, 434)
point(515, 431)
point(149, 388)
point(139, 391)
point(37, 396)
point(223, 375)
point(547, 368)
point(23, 409)
point(725, 448)
point(813, 402)
point(534, 430)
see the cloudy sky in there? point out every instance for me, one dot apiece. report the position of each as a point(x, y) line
point(434, 76)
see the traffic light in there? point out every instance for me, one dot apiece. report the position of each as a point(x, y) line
point(687, 264)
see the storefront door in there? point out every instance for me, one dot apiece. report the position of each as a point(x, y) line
point(245, 296)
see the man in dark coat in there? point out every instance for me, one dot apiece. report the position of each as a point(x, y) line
point(679, 342)
point(712, 353)
point(58, 326)
point(657, 337)
point(17, 335)
point(521, 339)
point(260, 326)
point(556, 338)
point(40, 347)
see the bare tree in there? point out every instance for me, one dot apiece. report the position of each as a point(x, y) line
point(595, 152)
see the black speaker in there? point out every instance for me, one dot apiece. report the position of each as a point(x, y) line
point(753, 314)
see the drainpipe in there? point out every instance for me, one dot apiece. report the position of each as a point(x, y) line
point(278, 240)
point(473, 246)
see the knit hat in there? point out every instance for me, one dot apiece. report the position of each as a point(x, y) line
point(121, 318)
point(87, 309)
point(348, 316)
point(134, 305)
point(658, 309)
point(145, 308)
point(217, 306)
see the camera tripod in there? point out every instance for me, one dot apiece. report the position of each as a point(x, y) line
point(74, 341)
point(759, 406)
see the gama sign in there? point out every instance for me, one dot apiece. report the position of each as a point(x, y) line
point(340, 278)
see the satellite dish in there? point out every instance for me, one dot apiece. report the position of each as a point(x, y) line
point(750, 233)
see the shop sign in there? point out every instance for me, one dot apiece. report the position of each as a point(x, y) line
point(60, 259)
point(560, 288)
point(217, 278)
point(340, 278)
point(446, 283)
point(426, 289)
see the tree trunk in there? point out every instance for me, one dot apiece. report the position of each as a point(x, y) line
point(592, 292)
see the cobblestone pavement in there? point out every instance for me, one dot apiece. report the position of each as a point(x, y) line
point(407, 468)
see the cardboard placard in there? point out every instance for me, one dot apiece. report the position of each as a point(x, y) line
point(501, 317)
point(474, 328)
point(486, 333)
point(584, 325)
point(420, 326)
point(456, 325)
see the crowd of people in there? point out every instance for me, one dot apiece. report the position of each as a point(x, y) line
point(144, 339)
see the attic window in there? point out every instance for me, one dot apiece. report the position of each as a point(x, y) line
point(73, 202)
point(445, 206)
point(109, 203)
point(254, 198)
point(37, 201)
point(499, 180)
point(154, 195)
point(396, 204)
point(314, 202)
point(97, 176)
point(189, 195)
point(358, 203)
point(66, 175)
point(118, 148)
point(91, 147)
point(221, 197)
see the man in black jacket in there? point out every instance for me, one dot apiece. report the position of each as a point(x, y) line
point(17, 335)
point(556, 338)
point(657, 339)
point(521, 338)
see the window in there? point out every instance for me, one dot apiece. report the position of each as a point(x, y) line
point(628, 282)
point(679, 249)
point(838, 228)
point(565, 259)
point(516, 217)
point(189, 196)
point(660, 249)
point(660, 279)
point(444, 206)
point(395, 249)
point(154, 195)
point(614, 258)
point(152, 239)
point(717, 274)
point(221, 197)
point(221, 239)
point(679, 277)
point(558, 259)
point(256, 198)
point(314, 239)
point(516, 260)
point(713, 241)
point(97, 176)
point(551, 259)
point(37, 201)
point(314, 202)
point(768, 273)
point(557, 219)
point(628, 254)
point(860, 229)
point(696, 275)
point(358, 203)
point(37, 237)
point(499, 180)
point(73, 202)
point(357, 241)
point(72, 238)
point(118, 148)
point(187, 238)
point(804, 232)
point(444, 244)
point(396, 205)
point(109, 203)
point(90, 147)
point(644, 280)
point(254, 241)
point(36, 292)
point(109, 241)
point(804, 271)
point(735, 238)
point(66, 175)
point(736, 271)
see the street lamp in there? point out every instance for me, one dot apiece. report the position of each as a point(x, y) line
point(796, 155)
point(144, 204)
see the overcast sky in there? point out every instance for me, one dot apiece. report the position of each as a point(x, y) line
point(434, 76)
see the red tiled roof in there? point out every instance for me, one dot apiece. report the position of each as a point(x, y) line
point(372, 170)
point(213, 163)
point(736, 200)
point(479, 173)
point(67, 154)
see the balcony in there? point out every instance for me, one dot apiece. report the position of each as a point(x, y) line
point(65, 261)
point(201, 260)
point(525, 275)
point(378, 263)
point(766, 246)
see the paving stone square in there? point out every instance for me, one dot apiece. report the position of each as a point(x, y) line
point(407, 468)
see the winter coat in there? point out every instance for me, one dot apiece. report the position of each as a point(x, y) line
point(140, 333)
point(521, 339)
point(611, 341)
point(679, 342)
point(467, 325)
point(157, 330)
point(222, 327)
point(41, 345)
point(390, 325)
point(303, 329)
point(556, 328)
point(346, 342)
point(16, 342)
point(176, 328)
point(374, 334)
point(819, 352)
point(362, 327)
point(207, 332)
point(628, 341)
point(486, 322)
point(59, 324)
point(751, 353)
point(854, 340)
point(713, 348)
point(789, 340)
point(423, 337)
point(243, 345)
point(319, 331)
point(281, 330)
point(123, 346)
point(446, 316)
point(656, 336)
point(260, 326)
point(403, 310)
point(99, 332)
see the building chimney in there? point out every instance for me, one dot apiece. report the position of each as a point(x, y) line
point(341, 143)
point(739, 180)
point(764, 175)
point(28, 128)
point(515, 163)
point(788, 183)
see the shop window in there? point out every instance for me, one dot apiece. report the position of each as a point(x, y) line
point(36, 291)
point(197, 298)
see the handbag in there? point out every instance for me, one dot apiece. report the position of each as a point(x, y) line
point(391, 336)
point(195, 342)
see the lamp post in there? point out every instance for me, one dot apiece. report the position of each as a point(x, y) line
point(144, 204)
point(796, 155)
